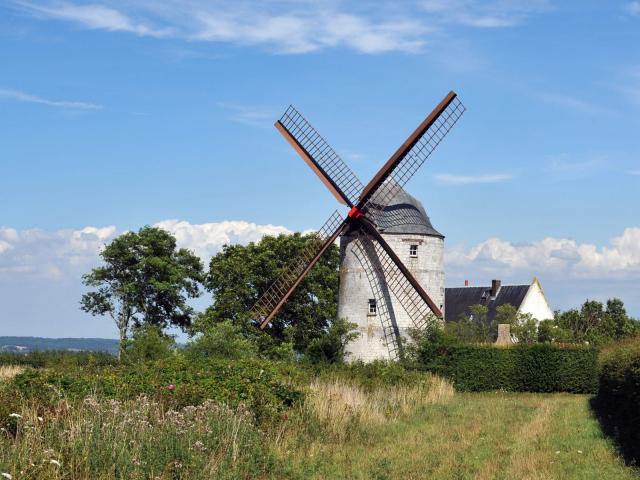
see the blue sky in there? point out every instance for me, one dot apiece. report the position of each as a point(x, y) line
point(118, 114)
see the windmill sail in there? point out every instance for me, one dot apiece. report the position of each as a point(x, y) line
point(412, 154)
point(275, 296)
point(322, 159)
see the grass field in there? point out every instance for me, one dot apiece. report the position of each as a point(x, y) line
point(474, 436)
point(341, 431)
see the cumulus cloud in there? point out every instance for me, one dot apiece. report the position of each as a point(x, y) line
point(206, 239)
point(553, 257)
point(50, 254)
point(19, 96)
point(290, 26)
point(70, 253)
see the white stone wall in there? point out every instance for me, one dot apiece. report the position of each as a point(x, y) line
point(355, 291)
point(535, 302)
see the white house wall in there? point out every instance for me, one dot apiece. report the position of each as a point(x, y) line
point(536, 303)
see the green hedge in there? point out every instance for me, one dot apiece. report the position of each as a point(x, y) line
point(618, 401)
point(521, 368)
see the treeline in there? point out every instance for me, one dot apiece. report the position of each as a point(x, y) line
point(29, 344)
point(594, 323)
point(146, 281)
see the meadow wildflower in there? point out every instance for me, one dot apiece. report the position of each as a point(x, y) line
point(15, 415)
point(171, 386)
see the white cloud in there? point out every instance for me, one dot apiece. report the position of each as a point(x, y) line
point(483, 13)
point(93, 16)
point(206, 239)
point(50, 254)
point(290, 26)
point(633, 8)
point(28, 98)
point(552, 257)
point(450, 179)
point(70, 253)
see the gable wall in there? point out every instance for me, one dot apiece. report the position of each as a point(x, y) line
point(536, 303)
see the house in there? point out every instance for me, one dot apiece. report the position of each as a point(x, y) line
point(525, 298)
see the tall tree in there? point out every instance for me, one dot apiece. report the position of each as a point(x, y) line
point(239, 274)
point(145, 279)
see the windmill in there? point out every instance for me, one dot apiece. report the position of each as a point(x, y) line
point(365, 218)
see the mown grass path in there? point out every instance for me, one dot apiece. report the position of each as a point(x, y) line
point(476, 436)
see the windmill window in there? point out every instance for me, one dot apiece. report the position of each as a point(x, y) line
point(413, 251)
point(373, 307)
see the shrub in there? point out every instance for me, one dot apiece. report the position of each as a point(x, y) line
point(148, 342)
point(330, 347)
point(264, 387)
point(222, 340)
point(618, 401)
point(522, 368)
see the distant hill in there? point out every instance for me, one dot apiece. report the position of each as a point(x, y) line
point(31, 344)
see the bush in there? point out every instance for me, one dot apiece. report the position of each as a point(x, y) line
point(330, 347)
point(522, 368)
point(222, 340)
point(266, 388)
point(618, 401)
point(148, 343)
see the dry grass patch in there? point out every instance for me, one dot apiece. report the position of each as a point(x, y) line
point(7, 372)
point(338, 403)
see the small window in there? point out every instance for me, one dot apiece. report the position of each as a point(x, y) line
point(373, 308)
point(413, 250)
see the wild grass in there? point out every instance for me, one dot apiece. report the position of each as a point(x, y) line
point(7, 372)
point(473, 436)
point(343, 429)
point(100, 439)
point(340, 404)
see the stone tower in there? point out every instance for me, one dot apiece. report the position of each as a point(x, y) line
point(421, 249)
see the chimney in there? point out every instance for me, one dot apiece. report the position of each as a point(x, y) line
point(466, 283)
point(495, 288)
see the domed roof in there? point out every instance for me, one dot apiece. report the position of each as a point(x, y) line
point(406, 215)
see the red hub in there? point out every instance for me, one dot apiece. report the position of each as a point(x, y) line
point(355, 213)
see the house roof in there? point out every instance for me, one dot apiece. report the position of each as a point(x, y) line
point(458, 300)
point(406, 215)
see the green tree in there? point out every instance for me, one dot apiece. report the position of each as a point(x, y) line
point(239, 274)
point(525, 328)
point(485, 330)
point(223, 339)
point(148, 342)
point(550, 332)
point(330, 347)
point(506, 313)
point(145, 279)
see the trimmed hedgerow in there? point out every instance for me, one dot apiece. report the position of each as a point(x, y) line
point(618, 401)
point(521, 368)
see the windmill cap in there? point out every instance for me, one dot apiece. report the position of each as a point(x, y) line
point(406, 215)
